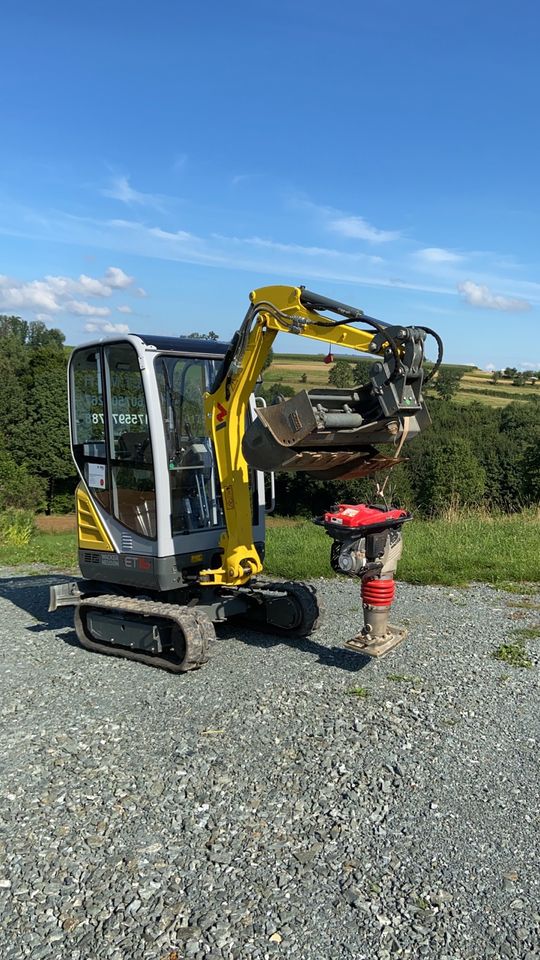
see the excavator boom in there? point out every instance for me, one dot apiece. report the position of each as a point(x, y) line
point(328, 433)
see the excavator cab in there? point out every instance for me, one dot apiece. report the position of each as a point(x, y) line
point(150, 504)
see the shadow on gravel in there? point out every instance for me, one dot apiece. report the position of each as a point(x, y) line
point(31, 594)
point(336, 657)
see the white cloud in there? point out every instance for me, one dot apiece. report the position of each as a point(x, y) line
point(32, 295)
point(83, 309)
point(117, 279)
point(358, 228)
point(438, 255)
point(120, 189)
point(181, 236)
point(479, 295)
point(59, 294)
point(106, 326)
point(347, 225)
point(124, 308)
point(93, 287)
point(140, 292)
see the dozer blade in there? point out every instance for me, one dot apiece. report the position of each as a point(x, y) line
point(325, 435)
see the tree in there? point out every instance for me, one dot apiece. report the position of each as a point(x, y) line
point(41, 336)
point(531, 468)
point(303, 378)
point(211, 335)
point(495, 376)
point(277, 392)
point(448, 475)
point(447, 382)
point(47, 436)
point(362, 372)
point(269, 359)
point(341, 374)
point(33, 334)
point(510, 372)
point(17, 487)
point(13, 328)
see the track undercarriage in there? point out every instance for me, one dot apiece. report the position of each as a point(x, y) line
point(176, 636)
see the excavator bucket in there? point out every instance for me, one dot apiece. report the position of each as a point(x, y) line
point(331, 434)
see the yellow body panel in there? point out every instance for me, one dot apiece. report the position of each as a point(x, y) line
point(226, 412)
point(91, 532)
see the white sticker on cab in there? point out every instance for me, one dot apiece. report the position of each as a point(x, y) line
point(96, 475)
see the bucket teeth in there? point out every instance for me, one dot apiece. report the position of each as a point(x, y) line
point(337, 465)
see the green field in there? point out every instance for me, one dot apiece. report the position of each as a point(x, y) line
point(493, 549)
point(476, 385)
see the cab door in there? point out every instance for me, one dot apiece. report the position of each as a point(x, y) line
point(111, 439)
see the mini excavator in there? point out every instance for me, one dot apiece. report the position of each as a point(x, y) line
point(176, 457)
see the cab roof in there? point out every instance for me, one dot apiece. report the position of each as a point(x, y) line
point(199, 345)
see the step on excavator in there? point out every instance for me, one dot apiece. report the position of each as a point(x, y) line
point(176, 457)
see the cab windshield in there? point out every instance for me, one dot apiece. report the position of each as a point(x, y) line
point(195, 495)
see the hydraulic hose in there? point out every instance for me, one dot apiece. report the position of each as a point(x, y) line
point(440, 350)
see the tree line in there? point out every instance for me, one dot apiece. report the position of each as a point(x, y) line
point(473, 454)
point(36, 469)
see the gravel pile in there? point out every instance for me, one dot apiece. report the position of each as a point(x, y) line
point(259, 808)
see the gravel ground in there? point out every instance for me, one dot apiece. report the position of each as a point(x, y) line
point(258, 808)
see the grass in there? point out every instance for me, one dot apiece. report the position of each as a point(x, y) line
point(452, 551)
point(499, 550)
point(525, 604)
point(528, 633)
point(514, 654)
point(55, 549)
point(520, 588)
point(360, 692)
point(463, 396)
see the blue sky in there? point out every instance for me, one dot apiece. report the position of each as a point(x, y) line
point(161, 160)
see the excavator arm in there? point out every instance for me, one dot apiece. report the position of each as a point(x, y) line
point(327, 433)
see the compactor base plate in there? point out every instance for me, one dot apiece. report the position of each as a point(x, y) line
point(377, 646)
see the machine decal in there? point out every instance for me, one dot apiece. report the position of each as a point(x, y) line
point(221, 413)
point(96, 475)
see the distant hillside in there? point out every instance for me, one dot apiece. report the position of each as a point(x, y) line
point(475, 385)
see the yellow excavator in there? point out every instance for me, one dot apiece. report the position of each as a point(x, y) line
point(176, 457)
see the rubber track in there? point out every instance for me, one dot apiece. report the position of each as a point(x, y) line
point(195, 625)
